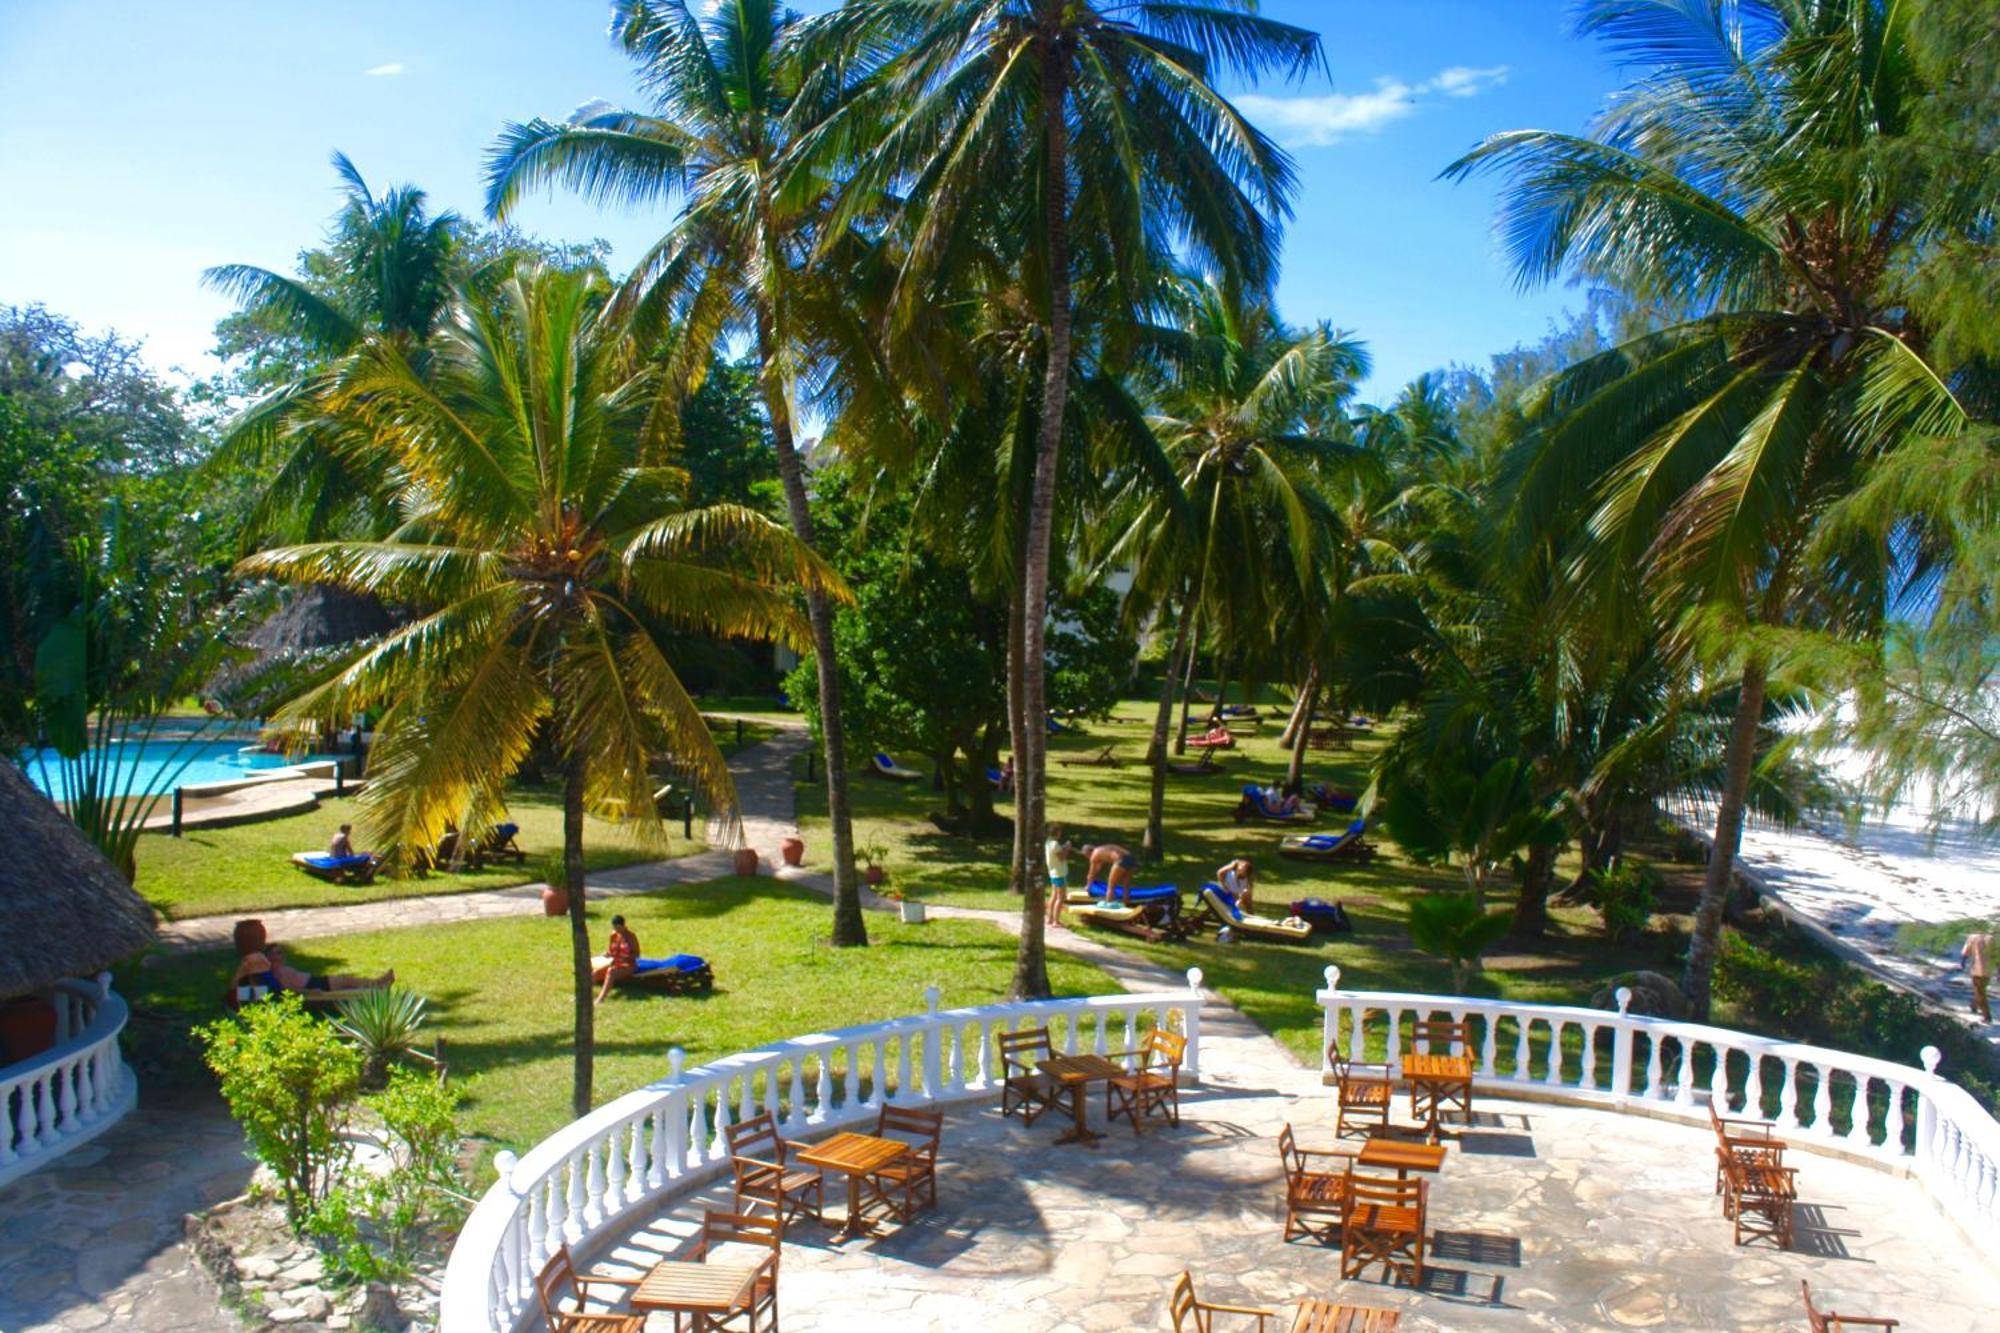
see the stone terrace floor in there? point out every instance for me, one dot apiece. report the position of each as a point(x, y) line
point(1544, 1217)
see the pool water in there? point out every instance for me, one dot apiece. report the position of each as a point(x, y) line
point(144, 766)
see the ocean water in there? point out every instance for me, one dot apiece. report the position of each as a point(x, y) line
point(161, 765)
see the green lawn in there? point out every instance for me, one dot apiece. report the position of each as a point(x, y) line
point(500, 991)
point(247, 867)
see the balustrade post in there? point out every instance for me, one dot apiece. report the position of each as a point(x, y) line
point(933, 1063)
point(1621, 1048)
point(1927, 1111)
point(1192, 1022)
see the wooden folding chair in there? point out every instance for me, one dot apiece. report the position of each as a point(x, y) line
point(1315, 1201)
point(1749, 1141)
point(758, 1307)
point(1193, 1315)
point(1384, 1223)
point(1829, 1322)
point(1023, 1087)
point(1758, 1199)
point(1154, 1087)
point(1362, 1091)
point(563, 1293)
point(899, 1184)
point(765, 1176)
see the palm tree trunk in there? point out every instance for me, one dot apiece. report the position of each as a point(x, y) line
point(1531, 906)
point(1018, 869)
point(1741, 756)
point(1299, 707)
point(1187, 688)
point(849, 929)
point(1295, 771)
point(1031, 972)
point(1154, 848)
point(579, 934)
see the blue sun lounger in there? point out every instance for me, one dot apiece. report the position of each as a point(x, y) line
point(680, 973)
point(884, 766)
point(356, 869)
point(1327, 846)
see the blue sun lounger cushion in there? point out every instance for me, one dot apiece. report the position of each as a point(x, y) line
point(680, 962)
point(327, 861)
point(1226, 898)
point(1326, 842)
point(1149, 893)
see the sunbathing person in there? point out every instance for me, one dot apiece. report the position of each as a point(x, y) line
point(1239, 877)
point(619, 960)
point(1277, 803)
point(342, 843)
point(266, 967)
point(1218, 735)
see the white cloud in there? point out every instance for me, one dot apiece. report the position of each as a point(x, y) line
point(383, 71)
point(1314, 122)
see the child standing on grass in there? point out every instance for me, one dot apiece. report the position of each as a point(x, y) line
point(1055, 852)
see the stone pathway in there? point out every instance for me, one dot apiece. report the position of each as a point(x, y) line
point(93, 1240)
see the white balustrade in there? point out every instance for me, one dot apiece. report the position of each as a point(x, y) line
point(72, 1092)
point(652, 1145)
point(1898, 1115)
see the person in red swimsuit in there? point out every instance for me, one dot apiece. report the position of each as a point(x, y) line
point(620, 959)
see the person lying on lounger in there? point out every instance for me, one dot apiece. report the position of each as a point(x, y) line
point(266, 967)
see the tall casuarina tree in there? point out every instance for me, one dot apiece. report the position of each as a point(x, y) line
point(727, 103)
point(1104, 122)
point(1746, 175)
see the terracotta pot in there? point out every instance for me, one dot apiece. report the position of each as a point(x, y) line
point(794, 850)
point(27, 1027)
point(555, 901)
point(746, 860)
point(875, 874)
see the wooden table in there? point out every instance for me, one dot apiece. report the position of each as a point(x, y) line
point(1401, 1156)
point(1077, 1072)
point(1433, 1078)
point(856, 1156)
point(1327, 1317)
point(706, 1291)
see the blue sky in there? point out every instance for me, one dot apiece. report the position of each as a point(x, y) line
point(141, 142)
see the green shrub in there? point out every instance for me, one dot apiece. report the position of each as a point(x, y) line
point(1776, 990)
point(383, 1024)
point(1455, 928)
point(288, 1079)
point(372, 1225)
point(1626, 895)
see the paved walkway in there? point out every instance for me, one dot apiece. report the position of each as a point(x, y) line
point(93, 1240)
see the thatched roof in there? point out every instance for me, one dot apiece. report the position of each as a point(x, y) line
point(65, 911)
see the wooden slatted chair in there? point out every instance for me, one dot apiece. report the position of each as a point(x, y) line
point(1154, 1088)
point(564, 1292)
point(1362, 1091)
point(765, 1175)
point(1193, 1315)
point(899, 1184)
point(1749, 1141)
point(758, 1308)
point(1441, 1036)
point(1315, 1200)
point(1385, 1223)
point(1024, 1088)
point(1758, 1199)
point(1829, 1322)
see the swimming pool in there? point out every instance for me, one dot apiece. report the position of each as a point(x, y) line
point(144, 766)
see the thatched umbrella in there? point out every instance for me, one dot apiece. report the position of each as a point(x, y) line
point(65, 911)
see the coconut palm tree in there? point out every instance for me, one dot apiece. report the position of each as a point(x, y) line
point(395, 267)
point(1744, 178)
point(1093, 135)
point(544, 548)
point(1237, 403)
point(728, 103)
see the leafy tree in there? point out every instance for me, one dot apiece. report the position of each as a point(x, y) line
point(730, 103)
point(1456, 928)
point(1018, 118)
point(1742, 175)
point(542, 540)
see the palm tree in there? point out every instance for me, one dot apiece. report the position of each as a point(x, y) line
point(1743, 177)
point(394, 269)
point(1091, 133)
point(545, 548)
point(1239, 399)
point(729, 101)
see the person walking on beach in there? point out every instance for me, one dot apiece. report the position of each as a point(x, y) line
point(1977, 953)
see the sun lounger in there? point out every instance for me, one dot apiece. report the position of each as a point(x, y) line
point(1095, 892)
point(1206, 768)
point(1151, 911)
point(885, 767)
point(1253, 806)
point(499, 845)
point(1219, 907)
point(996, 777)
point(1330, 798)
point(1244, 711)
point(681, 974)
point(356, 869)
point(1212, 743)
point(1347, 844)
point(1102, 759)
